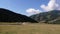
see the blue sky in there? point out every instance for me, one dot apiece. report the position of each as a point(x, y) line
point(20, 6)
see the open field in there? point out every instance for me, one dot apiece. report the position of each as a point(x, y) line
point(30, 29)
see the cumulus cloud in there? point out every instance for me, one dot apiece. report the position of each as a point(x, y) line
point(51, 5)
point(33, 11)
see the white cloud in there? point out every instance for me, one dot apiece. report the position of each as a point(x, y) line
point(51, 5)
point(32, 11)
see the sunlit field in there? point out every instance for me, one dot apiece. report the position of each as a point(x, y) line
point(30, 29)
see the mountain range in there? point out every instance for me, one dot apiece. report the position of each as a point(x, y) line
point(52, 17)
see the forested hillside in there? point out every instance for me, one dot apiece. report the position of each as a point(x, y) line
point(9, 16)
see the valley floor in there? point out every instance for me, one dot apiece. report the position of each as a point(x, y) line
point(30, 29)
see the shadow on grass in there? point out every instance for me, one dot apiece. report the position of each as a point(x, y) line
point(8, 33)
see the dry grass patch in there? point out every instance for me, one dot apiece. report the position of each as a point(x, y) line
point(30, 29)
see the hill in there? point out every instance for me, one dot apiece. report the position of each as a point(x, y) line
point(48, 17)
point(9, 16)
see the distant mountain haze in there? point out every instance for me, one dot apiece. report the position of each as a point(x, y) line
point(9, 16)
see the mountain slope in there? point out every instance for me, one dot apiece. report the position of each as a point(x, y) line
point(48, 17)
point(9, 16)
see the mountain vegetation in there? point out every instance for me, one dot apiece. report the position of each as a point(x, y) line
point(9, 16)
point(52, 17)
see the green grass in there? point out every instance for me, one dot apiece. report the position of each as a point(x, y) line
point(30, 29)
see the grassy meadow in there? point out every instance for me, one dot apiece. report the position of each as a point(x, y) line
point(30, 29)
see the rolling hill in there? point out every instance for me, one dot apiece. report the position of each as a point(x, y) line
point(9, 16)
